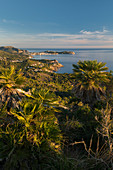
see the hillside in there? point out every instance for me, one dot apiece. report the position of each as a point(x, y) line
point(13, 50)
point(20, 57)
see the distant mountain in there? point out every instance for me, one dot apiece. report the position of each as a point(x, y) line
point(13, 50)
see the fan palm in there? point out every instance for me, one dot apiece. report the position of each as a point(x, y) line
point(10, 80)
point(89, 75)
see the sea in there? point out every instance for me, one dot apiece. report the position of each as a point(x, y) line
point(67, 60)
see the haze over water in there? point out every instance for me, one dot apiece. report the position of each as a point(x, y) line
point(101, 55)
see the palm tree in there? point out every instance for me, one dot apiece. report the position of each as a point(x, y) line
point(10, 80)
point(89, 75)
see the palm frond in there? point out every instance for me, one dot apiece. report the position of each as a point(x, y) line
point(89, 75)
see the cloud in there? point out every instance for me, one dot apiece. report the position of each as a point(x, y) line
point(84, 39)
point(94, 32)
point(11, 22)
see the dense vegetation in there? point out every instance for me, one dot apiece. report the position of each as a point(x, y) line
point(55, 121)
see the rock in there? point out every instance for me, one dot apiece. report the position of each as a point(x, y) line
point(67, 52)
point(43, 53)
point(52, 53)
point(45, 65)
point(14, 50)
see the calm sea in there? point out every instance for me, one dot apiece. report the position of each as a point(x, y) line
point(103, 55)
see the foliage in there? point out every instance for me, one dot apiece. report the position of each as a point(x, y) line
point(43, 132)
point(10, 80)
point(106, 130)
point(99, 159)
point(36, 127)
point(89, 74)
point(80, 123)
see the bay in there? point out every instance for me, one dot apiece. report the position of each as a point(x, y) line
point(101, 55)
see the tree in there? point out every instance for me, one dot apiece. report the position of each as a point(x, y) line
point(89, 75)
point(10, 80)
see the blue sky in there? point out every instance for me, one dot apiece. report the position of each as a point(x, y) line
point(56, 24)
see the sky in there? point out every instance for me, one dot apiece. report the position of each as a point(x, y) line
point(56, 23)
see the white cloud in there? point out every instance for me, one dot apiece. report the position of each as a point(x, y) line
point(5, 21)
point(94, 32)
point(58, 40)
point(9, 21)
